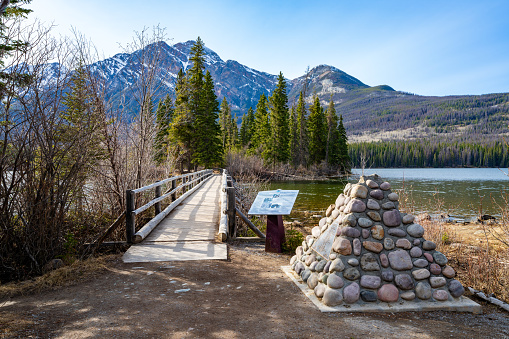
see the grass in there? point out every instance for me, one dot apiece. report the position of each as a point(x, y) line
point(64, 276)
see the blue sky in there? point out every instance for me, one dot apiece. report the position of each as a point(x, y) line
point(423, 47)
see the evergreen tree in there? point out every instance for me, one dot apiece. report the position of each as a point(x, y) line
point(224, 122)
point(317, 132)
point(279, 117)
point(294, 138)
point(209, 150)
point(261, 134)
point(164, 115)
point(344, 158)
point(247, 128)
point(332, 151)
point(302, 130)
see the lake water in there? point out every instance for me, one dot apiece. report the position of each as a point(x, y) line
point(457, 191)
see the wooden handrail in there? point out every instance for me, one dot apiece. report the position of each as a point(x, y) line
point(131, 210)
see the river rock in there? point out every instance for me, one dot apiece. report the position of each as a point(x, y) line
point(320, 290)
point(350, 232)
point(353, 262)
point(408, 296)
point(448, 272)
point(415, 252)
point(393, 196)
point(356, 205)
point(327, 266)
point(299, 267)
point(310, 259)
point(351, 273)
point(456, 289)
point(397, 232)
point(364, 222)
point(332, 297)
point(369, 296)
point(428, 245)
point(334, 214)
point(375, 216)
point(320, 265)
point(389, 205)
point(377, 194)
point(305, 274)
point(293, 260)
point(337, 265)
point(420, 263)
point(408, 219)
point(404, 243)
point(333, 256)
point(340, 201)
point(440, 295)
point(369, 262)
point(373, 205)
point(384, 260)
point(415, 230)
point(335, 281)
point(325, 276)
point(392, 218)
point(350, 220)
point(428, 257)
point(437, 282)
point(321, 223)
point(385, 186)
point(423, 290)
point(299, 251)
point(387, 275)
point(305, 246)
point(371, 183)
point(440, 258)
point(388, 293)
point(357, 247)
point(416, 242)
point(342, 246)
point(421, 274)
point(388, 244)
point(359, 191)
point(377, 232)
point(312, 281)
point(351, 293)
point(400, 260)
point(312, 266)
point(373, 246)
point(311, 241)
point(347, 188)
point(365, 233)
point(329, 210)
point(404, 281)
point(370, 281)
point(435, 269)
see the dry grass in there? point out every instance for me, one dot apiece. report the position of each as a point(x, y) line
point(64, 276)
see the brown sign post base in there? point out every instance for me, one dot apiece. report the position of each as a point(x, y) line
point(275, 236)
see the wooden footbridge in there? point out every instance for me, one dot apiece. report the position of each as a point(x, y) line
point(193, 226)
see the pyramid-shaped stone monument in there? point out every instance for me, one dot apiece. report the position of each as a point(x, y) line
point(365, 251)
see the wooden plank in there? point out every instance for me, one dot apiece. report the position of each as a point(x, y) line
point(250, 224)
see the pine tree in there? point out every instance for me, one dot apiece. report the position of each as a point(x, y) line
point(317, 132)
point(247, 128)
point(279, 117)
point(303, 151)
point(294, 137)
point(164, 115)
point(224, 122)
point(209, 150)
point(344, 158)
point(262, 132)
point(332, 152)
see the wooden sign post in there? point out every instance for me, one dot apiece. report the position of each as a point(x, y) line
point(274, 204)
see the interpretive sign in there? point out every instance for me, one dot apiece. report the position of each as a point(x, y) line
point(277, 202)
point(323, 245)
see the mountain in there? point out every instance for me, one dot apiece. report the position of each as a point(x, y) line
point(370, 113)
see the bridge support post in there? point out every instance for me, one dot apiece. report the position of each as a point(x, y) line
point(157, 205)
point(173, 186)
point(230, 193)
point(129, 216)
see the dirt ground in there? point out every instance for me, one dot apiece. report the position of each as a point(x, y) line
point(247, 296)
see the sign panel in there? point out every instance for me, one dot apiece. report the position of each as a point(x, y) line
point(323, 245)
point(277, 202)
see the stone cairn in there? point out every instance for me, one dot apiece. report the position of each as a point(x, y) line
point(365, 251)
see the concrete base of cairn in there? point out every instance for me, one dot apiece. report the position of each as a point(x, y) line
point(366, 256)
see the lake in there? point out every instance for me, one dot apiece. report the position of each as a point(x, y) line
point(457, 191)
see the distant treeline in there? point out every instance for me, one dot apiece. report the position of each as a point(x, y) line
point(425, 153)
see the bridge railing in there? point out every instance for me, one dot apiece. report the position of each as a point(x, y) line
point(189, 183)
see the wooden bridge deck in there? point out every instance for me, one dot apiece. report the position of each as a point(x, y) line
point(188, 232)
